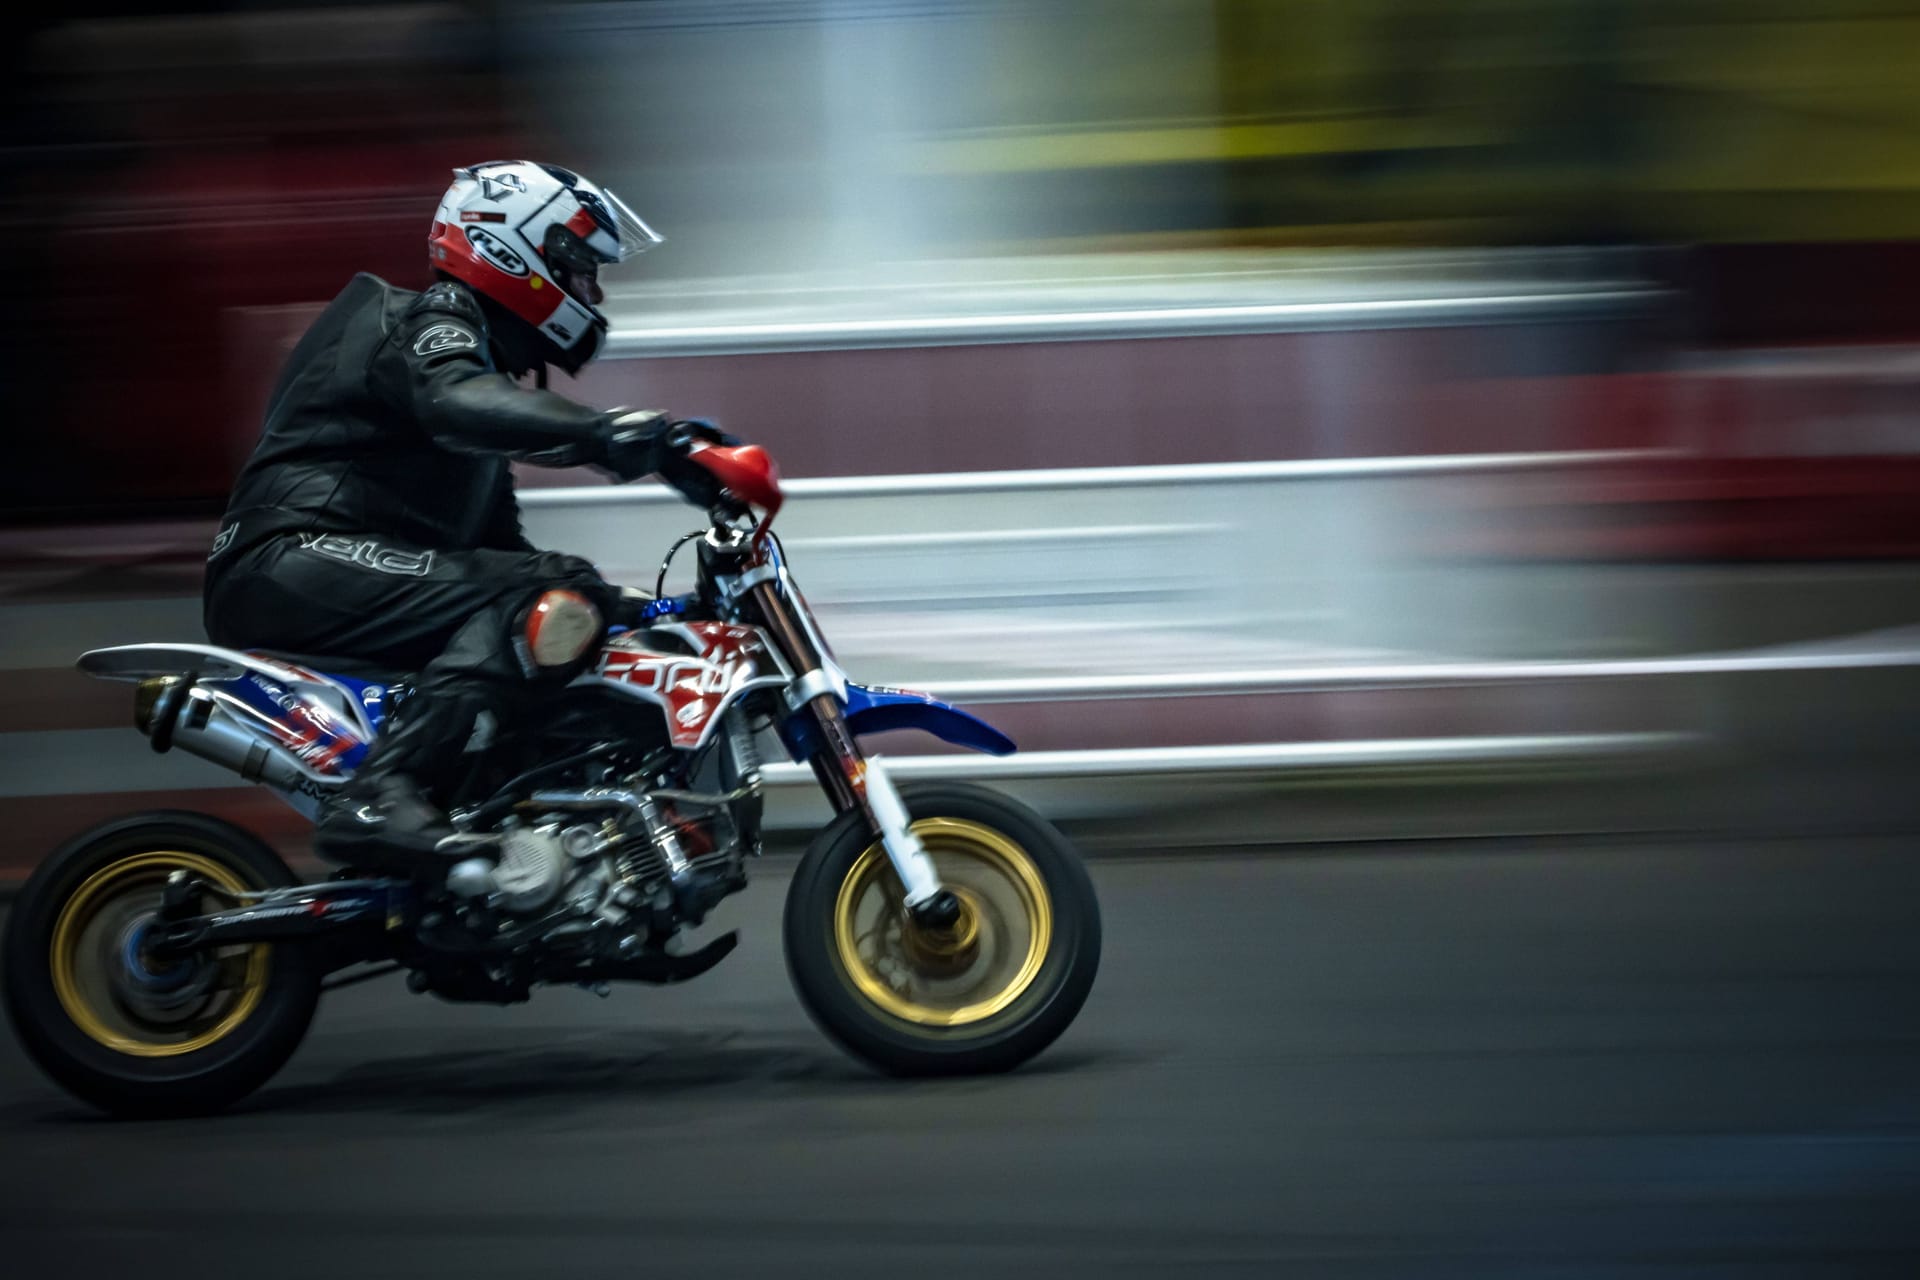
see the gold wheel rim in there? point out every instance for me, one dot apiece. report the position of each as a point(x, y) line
point(72, 946)
point(1006, 923)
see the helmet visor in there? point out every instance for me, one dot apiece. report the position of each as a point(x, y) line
point(618, 232)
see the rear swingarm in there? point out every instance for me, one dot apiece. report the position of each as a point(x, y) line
point(339, 907)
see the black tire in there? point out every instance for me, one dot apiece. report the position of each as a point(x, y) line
point(259, 1028)
point(840, 859)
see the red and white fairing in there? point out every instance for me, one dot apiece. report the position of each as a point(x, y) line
point(693, 690)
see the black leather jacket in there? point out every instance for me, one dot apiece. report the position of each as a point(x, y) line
point(392, 417)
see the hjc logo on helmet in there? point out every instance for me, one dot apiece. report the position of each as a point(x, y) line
point(495, 250)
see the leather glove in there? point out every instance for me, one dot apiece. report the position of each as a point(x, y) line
point(632, 442)
point(636, 443)
point(695, 483)
point(690, 429)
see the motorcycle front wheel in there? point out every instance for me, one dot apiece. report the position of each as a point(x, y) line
point(988, 993)
point(130, 1033)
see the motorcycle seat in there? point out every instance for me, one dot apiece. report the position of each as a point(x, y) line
point(340, 664)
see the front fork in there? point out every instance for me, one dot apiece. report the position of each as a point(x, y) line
point(852, 780)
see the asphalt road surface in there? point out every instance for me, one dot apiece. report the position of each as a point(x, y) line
point(1558, 1061)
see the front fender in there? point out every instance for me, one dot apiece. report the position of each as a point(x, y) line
point(873, 710)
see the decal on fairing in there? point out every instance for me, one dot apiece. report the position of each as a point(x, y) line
point(289, 707)
point(692, 688)
point(303, 725)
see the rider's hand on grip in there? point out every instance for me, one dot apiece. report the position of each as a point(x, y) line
point(632, 443)
point(694, 481)
point(684, 433)
point(682, 440)
point(647, 442)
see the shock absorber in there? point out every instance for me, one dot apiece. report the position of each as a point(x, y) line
point(744, 754)
point(850, 780)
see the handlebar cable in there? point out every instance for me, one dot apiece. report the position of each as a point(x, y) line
point(660, 582)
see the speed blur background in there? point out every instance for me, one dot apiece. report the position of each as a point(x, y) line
point(1308, 425)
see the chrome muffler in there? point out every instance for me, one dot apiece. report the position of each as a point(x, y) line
point(174, 712)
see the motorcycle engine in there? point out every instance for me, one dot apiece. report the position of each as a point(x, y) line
point(533, 865)
point(527, 874)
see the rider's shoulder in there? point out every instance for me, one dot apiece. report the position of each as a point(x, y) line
point(448, 297)
point(445, 303)
point(401, 308)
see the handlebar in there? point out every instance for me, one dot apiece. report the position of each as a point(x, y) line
point(683, 433)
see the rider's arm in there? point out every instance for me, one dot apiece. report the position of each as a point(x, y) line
point(435, 367)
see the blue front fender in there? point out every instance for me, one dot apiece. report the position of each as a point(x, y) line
point(882, 710)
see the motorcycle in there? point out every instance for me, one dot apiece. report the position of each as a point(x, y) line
point(170, 962)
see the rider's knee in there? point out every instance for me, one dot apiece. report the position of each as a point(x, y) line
point(555, 634)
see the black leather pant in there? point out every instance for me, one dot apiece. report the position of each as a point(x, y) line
point(450, 616)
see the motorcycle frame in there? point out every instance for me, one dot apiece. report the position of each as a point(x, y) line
point(743, 579)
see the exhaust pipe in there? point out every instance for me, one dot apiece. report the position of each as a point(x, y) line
point(173, 712)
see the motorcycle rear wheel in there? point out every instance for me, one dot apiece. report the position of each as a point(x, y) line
point(985, 995)
point(139, 1037)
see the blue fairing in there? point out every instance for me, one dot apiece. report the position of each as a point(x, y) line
point(275, 703)
point(883, 710)
point(374, 698)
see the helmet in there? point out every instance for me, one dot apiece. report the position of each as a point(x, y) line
point(530, 239)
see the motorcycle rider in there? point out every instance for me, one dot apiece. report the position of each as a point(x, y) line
point(377, 516)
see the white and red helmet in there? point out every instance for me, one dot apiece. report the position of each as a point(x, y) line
point(531, 238)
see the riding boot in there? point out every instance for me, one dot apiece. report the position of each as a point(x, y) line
point(385, 818)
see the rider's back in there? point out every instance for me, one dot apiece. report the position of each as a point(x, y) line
point(341, 451)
